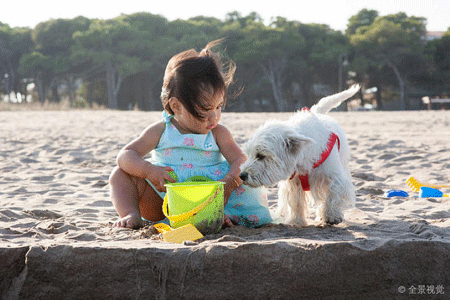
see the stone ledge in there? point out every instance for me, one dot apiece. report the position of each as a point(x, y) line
point(12, 263)
point(285, 269)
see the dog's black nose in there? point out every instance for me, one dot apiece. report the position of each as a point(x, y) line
point(243, 176)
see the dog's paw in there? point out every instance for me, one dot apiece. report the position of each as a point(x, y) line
point(296, 221)
point(329, 216)
point(334, 221)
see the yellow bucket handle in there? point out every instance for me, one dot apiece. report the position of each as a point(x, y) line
point(184, 216)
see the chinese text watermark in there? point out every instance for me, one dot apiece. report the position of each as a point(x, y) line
point(422, 289)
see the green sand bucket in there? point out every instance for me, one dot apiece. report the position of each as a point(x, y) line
point(199, 203)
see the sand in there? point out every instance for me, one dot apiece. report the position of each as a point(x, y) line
point(55, 218)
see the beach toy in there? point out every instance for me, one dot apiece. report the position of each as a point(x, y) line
point(395, 193)
point(199, 178)
point(426, 192)
point(199, 203)
point(179, 235)
point(415, 185)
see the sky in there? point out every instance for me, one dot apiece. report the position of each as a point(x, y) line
point(335, 13)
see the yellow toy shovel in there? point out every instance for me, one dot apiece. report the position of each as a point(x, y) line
point(178, 235)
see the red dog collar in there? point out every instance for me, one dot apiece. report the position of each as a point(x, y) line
point(304, 180)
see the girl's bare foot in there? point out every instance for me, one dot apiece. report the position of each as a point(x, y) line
point(132, 220)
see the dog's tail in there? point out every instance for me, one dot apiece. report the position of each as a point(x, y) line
point(328, 103)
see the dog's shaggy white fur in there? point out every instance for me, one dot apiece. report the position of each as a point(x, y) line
point(281, 149)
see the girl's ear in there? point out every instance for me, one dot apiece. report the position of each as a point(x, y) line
point(175, 105)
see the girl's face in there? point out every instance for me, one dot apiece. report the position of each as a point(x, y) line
point(187, 123)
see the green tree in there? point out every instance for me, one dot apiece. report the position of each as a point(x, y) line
point(106, 44)
point(394, 41)
point(153, 47)
point(39, 67)
point(250, 87)
point(14, 44)
point(440, 59)
point(271, 49)
point(363, 18)
point(322, 58)
point(54, 40)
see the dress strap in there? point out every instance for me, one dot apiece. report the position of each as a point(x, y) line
point(166, 117)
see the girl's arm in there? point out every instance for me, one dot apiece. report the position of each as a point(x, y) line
point(233, 154)
point(230, 150)
point(130, 158)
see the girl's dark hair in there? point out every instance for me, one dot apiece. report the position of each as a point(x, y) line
point(189, 75)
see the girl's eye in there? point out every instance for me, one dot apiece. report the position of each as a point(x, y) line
point(218, 107)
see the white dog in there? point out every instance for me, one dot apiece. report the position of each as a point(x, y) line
point(308, 152)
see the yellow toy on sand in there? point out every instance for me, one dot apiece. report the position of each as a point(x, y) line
point(179, 235)
point(415, 185)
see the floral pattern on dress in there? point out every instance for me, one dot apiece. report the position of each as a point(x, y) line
point(237, 205)
point(253, 218)
point(235, 219)
point(168, 152)
point(249, 221)
point(188, 142)
point(240, 190)
point(186, 166)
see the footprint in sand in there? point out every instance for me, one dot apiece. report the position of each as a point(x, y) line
point(101, 203)
point(370, 191)
point(419, 227)
point(395, 142)
point(387, 156)
point(368, 177)
point(408, 158)
point(43, 214)
point(43, 178)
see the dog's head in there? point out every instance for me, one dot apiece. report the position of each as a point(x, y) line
point(273, 153)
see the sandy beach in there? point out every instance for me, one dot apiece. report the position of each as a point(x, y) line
point(55, 218)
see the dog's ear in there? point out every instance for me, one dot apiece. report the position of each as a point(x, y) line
point(295, 142)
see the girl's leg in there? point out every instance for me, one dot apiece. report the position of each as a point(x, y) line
point(127, 194)
point(150, 204)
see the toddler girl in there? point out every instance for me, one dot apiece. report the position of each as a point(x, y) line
point(188, 141)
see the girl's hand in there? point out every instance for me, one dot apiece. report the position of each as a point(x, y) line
point(158, 177)
point(231, 183)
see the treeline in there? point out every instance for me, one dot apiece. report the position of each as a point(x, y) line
point(120, 62)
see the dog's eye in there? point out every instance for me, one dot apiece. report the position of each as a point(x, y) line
point(259, 156)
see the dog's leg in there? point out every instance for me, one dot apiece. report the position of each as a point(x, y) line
point(283, 210)
point(339, 193)
point(292, 200)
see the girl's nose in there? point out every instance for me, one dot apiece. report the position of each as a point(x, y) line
point(212, 115)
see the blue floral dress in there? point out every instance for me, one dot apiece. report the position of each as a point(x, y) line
point(198, 155)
